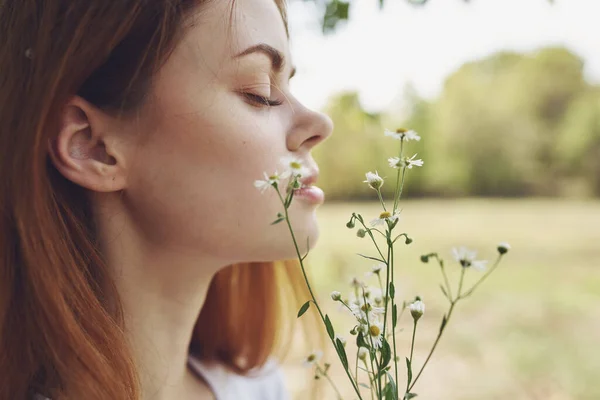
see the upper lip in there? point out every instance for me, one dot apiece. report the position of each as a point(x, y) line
point(310, 179)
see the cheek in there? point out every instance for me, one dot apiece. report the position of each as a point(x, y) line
point(192, 184)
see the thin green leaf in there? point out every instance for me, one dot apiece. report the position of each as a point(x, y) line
point(289, 199)
point(409, 370)
point(390, 390)
point(307, 249)
point(303, 308)
point(444, 322)
point(371, 258)
point(388, 393)
point(444, 291)
point(365, 386)
point(278, 220)
point(409, 396)
point(329, 327)
point(394, 316)
point(392, 290)
point(386, 353)
point(360, 341)
point(341, 352)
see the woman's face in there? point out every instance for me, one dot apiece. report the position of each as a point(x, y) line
point(207, 136)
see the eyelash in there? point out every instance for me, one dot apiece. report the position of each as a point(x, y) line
point(261, 100)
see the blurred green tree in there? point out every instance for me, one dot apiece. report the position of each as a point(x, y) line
point(507, 125)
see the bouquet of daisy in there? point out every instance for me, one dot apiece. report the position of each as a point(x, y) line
point(376, 310)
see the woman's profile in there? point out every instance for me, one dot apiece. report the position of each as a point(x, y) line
point(137, 258)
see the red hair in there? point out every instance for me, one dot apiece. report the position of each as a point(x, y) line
point(61, 322)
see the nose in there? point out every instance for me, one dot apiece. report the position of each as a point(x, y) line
point(309, 129)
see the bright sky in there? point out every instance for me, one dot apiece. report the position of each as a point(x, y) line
point(378, 52)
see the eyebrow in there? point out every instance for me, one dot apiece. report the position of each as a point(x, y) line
point(277, 58)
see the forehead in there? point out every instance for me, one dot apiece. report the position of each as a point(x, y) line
point(223, 28)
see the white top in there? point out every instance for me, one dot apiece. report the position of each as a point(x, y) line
point(266, 383)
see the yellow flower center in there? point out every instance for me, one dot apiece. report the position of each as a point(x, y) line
point(311, 358)
point(273, 177)
point(374, 330)
point(385, 214)
point(401, 130)
point(295, 165)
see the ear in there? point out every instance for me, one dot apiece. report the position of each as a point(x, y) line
point(86, 150)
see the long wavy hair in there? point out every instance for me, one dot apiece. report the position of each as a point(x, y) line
point(61, 322)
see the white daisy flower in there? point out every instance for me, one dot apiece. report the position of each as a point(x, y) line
point(269, 181)
point(336, 296)
point(294, 166)
point(396, 162)
point(366, 312)
point(385, 216)
point(467, 258)
point(376, 269)
point(374, 180)
point(417, 309)
point(312, 358)
point(374, 333)
point(403, 134)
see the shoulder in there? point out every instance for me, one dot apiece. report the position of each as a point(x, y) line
point(266, 383)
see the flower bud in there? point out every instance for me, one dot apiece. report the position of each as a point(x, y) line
point(425, 258)
point(503, 248)
point(353, 331)
point(374, 180)
point(362, 353)
point(350, 224)
point(408, 240)
point(336, 296)
point(361, 233)
point(417, 309)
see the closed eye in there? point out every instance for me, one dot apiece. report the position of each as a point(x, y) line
point(261, 100)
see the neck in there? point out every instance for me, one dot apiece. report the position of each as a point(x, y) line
point(162, 291)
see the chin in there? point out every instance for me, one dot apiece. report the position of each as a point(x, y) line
point(281, 247)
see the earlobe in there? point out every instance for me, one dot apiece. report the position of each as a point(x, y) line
point(79, 152)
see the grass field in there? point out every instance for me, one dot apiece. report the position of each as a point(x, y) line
point(532, 331)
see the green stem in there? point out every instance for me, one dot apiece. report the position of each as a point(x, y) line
point(378, 364)
point(314, 300)
point(368, 230)
point(356, 366)
point(452, 304)
point(393, 328)
point(445, 278)
point(437, 340)
point(381, 199)
point(488, 273)
point(462, 278)
point(371, 380)
point(324, 373)
point(397, 191)
point(412, 347)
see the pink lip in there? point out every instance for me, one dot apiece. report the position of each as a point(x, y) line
point(312, 194)
point(309, 180)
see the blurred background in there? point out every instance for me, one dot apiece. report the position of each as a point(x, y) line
point(506, 97)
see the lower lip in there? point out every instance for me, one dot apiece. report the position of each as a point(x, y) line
point(312, 194)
